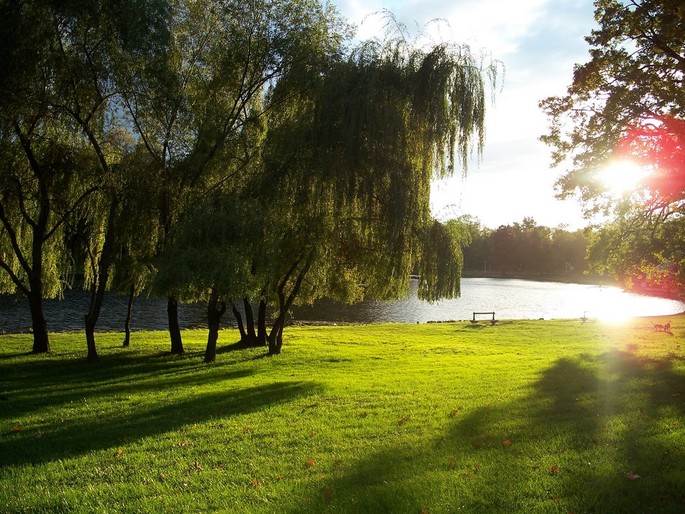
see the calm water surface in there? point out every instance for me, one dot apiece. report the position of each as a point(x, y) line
point(508, 298)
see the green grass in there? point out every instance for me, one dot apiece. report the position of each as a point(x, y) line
point(524, 416)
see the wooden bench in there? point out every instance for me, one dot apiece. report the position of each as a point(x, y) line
point(492, 321)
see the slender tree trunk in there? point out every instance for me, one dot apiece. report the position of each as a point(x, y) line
point(41, 341)
point(249, 321)
point(275, 338)
point(215, 310)
point(90, 320)
point(100, 284)
point(239, 320)
point(90, 339)
point(261, 323)
point(174, 327)
point(127, 322)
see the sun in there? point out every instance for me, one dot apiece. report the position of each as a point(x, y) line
point(621, 177)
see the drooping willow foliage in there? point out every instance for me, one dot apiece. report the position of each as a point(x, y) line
point(257, 154)
point(362, 147)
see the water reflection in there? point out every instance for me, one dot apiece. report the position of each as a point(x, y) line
point(509, 298)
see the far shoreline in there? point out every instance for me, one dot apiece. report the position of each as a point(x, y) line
point(565, 278)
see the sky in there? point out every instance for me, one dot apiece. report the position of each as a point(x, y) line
point(538, 42)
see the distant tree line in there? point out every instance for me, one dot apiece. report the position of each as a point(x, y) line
point(525, 249)
point(236, 153)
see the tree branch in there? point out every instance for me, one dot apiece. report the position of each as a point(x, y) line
point(14, 240)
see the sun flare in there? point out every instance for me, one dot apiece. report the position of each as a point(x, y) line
point(622, 176)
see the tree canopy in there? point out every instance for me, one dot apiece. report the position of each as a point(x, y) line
point(628, 104)
point(227, 152)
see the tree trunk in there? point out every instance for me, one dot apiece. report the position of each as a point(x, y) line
point(239, 320)
point(285, 302)
point(127, 322)
point(41, 341)
point(90, 338)
point(261, 323)
point(99, 286)
point(249, 321)
point(276, 336)
point(97, 294)
point(174, 327)
point(215, 310)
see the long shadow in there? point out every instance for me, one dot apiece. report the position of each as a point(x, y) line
point(8, 356)
point(565, 417)
point(79, 437)
point(33, 385)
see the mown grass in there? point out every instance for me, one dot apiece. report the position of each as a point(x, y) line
point(524, 416)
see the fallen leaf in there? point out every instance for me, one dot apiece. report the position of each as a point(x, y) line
point(403, 420)
point(256, 483)
point(632, 476)
point(507, 443)
point(246, 430)
point(198, 466)
point(554, 469)
point(328, 494)
point(17, 428)
point(310, 462)
point(120, 452)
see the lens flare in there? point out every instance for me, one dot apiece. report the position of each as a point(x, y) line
point(622, 177)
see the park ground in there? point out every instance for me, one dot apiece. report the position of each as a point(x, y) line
point(522, 416)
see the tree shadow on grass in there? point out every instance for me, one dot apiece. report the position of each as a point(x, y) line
point(72, 438)
point(31, 384)
point(8, 356)
point(122, 387)
point(577, 442)
point(241, 347)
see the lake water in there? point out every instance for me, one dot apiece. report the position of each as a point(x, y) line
point(508, 298)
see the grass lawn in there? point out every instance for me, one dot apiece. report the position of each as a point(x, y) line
point(523, 416)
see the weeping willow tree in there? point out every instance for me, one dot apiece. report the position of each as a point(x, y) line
point(335, 198)
point(39, 189)
point(348, 162)
point(192, 105)
point(60, 108)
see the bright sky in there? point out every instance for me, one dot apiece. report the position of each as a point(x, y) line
point(538, 42)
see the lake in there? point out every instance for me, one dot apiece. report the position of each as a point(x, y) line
point(508, 298)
